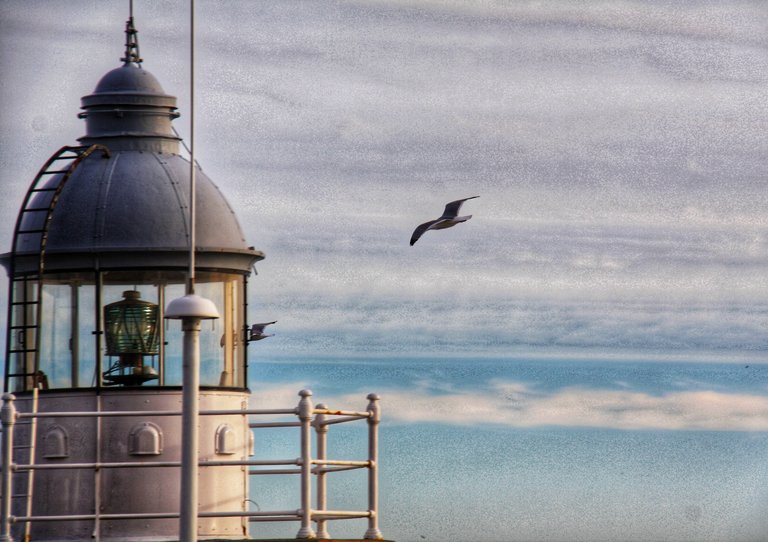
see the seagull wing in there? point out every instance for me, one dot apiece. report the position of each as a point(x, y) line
point(258, 328)
point(452, 209)
point(419, 231)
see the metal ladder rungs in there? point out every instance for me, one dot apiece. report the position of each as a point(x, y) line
point(50, 179)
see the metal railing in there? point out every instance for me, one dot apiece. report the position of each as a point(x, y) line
point(319, 417)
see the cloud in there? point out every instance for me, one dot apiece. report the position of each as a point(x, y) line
point(514, 404)
point(363, 325)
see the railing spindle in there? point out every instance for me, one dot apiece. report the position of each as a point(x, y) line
point(8, 418)
point(322, 454)
point(305, 417)
point(373, 532)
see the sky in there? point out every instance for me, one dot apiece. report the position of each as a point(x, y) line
point(619, 149)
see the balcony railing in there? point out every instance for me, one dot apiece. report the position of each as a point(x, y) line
point(318, 417)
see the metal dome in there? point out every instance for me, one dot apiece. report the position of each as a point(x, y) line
point(131, 78)
point(132, 209)
point(129, 110)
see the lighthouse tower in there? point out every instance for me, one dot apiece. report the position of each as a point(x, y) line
point(101, 245)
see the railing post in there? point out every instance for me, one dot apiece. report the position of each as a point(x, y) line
point(373, 532)
point(8, 418)
point(31, 473)
point(322, 453)
point(305, 417)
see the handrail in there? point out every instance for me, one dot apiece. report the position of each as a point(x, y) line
point(205, 463)
point(128, 413)
point(169, 515)
point(320, 418)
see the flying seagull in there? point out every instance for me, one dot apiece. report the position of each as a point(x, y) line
point(257, 331)
point(450, 218)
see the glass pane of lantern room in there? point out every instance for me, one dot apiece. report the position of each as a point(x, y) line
point(67, 353)
point(222, 349)
point(85, 341)
point(212, 336)
point(173, 343)
point(55, 355)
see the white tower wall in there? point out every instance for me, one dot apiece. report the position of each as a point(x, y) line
point(141, 438)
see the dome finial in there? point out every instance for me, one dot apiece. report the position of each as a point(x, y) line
point(131, 41)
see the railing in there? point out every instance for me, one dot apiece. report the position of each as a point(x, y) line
point(309, 416)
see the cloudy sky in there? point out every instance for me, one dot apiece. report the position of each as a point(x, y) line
point(619, 150)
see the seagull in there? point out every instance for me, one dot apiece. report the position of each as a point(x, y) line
point(257, 331)
point(450, 218)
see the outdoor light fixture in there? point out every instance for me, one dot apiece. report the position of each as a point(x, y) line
point(131, 333)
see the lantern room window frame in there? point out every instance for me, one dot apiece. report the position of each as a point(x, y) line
point(72, 352)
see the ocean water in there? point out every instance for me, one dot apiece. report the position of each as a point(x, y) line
point(492, 476)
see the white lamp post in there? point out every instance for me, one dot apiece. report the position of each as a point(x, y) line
point(190, 309)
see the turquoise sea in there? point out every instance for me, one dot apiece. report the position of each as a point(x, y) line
point(467, 471)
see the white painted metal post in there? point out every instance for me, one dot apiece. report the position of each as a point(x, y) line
point(31, 473)
point(190, 309)
point(189, 431)
point(8, 418)
point(305, 417)
point(96, 534)
point(373, 532)
point(322, 454)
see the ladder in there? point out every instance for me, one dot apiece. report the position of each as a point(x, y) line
point(25, 454)
point(30, 236)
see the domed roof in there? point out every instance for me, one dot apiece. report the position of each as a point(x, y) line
point(129, 84)
point(129, 110)
point(130, 78)
point(133, 206)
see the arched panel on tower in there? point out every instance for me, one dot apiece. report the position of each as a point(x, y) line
point(226, 440)
point(145, 438)
point(56, 443)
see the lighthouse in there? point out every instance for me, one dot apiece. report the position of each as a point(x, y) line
point(100, 248)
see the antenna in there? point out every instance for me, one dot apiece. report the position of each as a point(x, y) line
point(192, 179)
point(131, 41)
point(191, 309)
